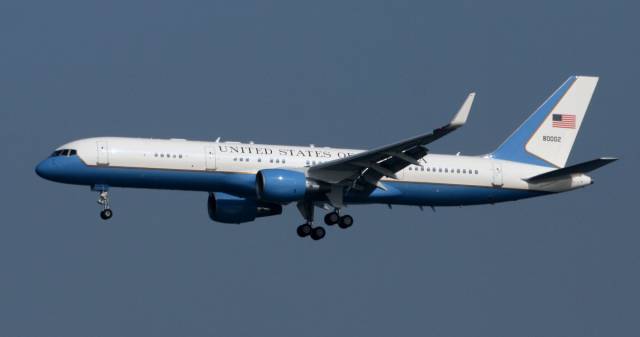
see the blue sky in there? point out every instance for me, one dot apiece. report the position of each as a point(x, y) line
point(357, 74)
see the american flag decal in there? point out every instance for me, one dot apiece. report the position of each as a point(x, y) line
point(563, 121)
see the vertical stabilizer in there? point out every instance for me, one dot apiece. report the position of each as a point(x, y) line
point(547, 136)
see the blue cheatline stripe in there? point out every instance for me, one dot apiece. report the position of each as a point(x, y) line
point(514, 147)
point(72, 170)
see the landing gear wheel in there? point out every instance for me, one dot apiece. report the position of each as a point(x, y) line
point(345, 221)
point(331, 218)
point(304, 230)
point(317, 233)
point(106, 214)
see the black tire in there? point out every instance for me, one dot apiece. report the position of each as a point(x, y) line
point(345, 221)
point(106, 214)
point(304, 230)
point(331, 218)
point(317, 233)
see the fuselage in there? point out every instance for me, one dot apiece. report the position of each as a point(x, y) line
point(231, 167)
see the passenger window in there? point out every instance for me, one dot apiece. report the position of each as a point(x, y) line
point(446, 170)
point(180, 156)
point(440, 170)
point(476, 171)
point(458, 171)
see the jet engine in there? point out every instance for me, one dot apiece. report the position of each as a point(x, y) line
point(227, 208)
point(283, 186)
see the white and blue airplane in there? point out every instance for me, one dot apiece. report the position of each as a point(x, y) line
point(246, 180)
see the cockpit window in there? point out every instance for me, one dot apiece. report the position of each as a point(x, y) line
point(64, 152)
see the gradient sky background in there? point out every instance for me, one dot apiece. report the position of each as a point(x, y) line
point(333, 73)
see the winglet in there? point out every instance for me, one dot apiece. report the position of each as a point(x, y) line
point(461, 117)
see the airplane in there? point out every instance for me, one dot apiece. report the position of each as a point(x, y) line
point(245, 181)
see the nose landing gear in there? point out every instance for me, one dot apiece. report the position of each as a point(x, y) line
point(103, 200)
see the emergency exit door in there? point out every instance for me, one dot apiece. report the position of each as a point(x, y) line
point(497, 174)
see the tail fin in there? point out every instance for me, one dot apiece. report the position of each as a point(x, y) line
point(547, 136)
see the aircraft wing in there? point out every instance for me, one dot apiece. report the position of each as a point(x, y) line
point(366, 168)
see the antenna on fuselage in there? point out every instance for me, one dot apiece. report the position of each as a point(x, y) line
point(218, 139)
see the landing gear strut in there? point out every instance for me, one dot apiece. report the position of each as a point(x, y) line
point(103, 200)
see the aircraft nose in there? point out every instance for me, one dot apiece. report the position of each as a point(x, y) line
point(45, 169)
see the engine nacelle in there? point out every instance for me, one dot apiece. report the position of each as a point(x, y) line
point(279, 185)
point(227, 208)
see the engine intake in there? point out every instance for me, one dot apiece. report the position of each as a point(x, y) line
point(227, 208)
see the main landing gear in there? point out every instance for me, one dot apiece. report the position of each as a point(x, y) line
point(307, 229)
point(103, 200)
point(317, 232)
point(334, 217)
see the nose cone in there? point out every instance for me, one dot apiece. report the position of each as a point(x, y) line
point(52, 168)
point(45, 169)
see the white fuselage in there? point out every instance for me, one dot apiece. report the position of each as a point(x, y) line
point(243, 158)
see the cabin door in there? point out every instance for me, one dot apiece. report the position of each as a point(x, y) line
point(210, 158)
point(103, 152)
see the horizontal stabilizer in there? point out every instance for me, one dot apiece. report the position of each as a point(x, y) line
point(585, 167)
